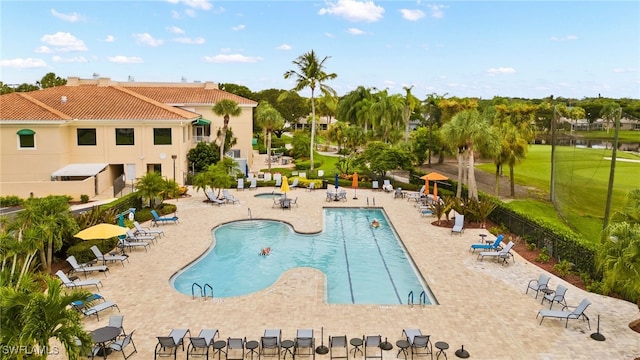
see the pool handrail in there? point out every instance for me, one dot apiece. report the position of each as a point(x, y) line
point(205, 290)
point(193, 294)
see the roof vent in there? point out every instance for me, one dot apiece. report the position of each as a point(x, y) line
point(63, 99)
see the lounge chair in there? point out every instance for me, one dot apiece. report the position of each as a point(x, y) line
point(168, 345)
point(458, 226)
point(416, 196)
point(199, 346)
point(372, 347)
point(165, 219)
point(503, 254)
point(85, 268)
point(270, 343)
point(375, 185)
point(131, 236)
point(228, 197)
point(141, 230)
point(254, 184)
point(294, 184)
point(386, 186)
point(338, 343)
point(425, 210)
point(577, 313)
point(214, 199)
point(278, 182)
point(494, 246)
point(82, 306)
point(241, 184)
point(556, 296)
point(235, 344)
point(77, 283)
point(104, 258)
point(312, 186)
point(305, 343)
point(419, 344)
point(124, 243)
point(542, 283)
point(120, 345)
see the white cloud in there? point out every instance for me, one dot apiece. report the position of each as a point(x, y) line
point(353, 10)
point(20, 63)
point(196, 4)
point(625, 70)
point(73, 17)
point(147, 39)
point(64, 42)
point(191, 41)
point(237, 28)
point(284, 47)
point(120, 59)
point(436, 11)
point(355, 31)
point(329, 35)
point(501, 70)
point(109, 38)
point(43, 50)
point(175, 30)
point(412, 15)
point(77, 59)
point(564, 38)
point(232, 58)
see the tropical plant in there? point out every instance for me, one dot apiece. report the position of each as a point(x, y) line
point(151, 186)
point(482, 209)
point(410, 104)
point(217, 176)
point(387, 113)
point(619, 260)
point(225, 108)
point(203, 155)
point(311, 74)
point(380, 158)
point(269, 119)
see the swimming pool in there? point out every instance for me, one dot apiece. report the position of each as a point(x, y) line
point(363, 265)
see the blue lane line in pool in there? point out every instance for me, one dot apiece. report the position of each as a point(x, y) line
point(346, 259)
point(384, 262)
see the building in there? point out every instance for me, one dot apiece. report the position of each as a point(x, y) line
point(94, 134)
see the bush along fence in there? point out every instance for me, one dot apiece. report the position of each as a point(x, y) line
point(561, 244)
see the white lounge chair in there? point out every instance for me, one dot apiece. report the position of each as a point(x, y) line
point(419, 344)
point(228, 197)
point(168, 345)
point(254, 184)
point(124, 243)
point(199, 346)
point(241, 184)
point(503, 254)
point(386, 186)
point(305, 343)
point(458, 226)
point(77, 283)
point(96, 309)
point(131, 236)
point(213, 198)
point(86, 268)
point(294, 183)
point(375, 185)
point(141, 230)
point(577, 313)
point(104, 258)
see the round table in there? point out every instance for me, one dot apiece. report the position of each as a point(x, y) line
point(103, 335)
point(442, 346)
point(356, 343)
point(252, 346)
point(287, 345)
point(403, 345)
point(218, 346)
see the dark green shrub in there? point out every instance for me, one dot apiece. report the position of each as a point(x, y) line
point(531, 246)
point(11, 200)
point(82, 250)
point(563, 268)
point(306, 164)
point(84, 198)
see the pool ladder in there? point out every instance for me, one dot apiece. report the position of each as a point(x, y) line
point(422, 298)
point(203, 290)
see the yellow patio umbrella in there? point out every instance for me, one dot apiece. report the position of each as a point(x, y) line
point(285, 186)
point(354, 184)
point(101, 231)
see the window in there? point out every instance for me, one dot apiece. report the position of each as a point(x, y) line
point(27, 139)
point(162, 136)
point(86, 137)
point(124, 136)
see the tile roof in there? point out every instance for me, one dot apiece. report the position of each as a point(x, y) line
point(188, 95)
point(24, 107)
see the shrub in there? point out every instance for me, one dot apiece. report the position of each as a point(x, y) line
point(82, 250)
point(531, 246)
point(306, 164)
point(10, 200)
point(543, 257)
point(84, 198)
point(563, 268)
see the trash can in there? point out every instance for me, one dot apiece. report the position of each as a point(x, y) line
point(324, 183)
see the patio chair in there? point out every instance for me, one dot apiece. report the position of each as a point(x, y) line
point(556, 296)
point(168, 345)
point(577, 313)
point(120, 345)
point(542, 283)
point(294, 202)
point(213, 199)
point(278, 181)
point(104, 258)
point(77, 283)
point(494, 246)
point(312, 186)
point(86, 268)
point(386, 185)
point(425, 210)
point(81, 306)
point(503, 254)
point(419, 344)
point(305, 343)
point(124, 243)
point(117, 321)
point(228, 197)
point(375, 185)
point(458, 226)
point(338, 343)
point(131, 236)
point(199, 346)
point(235, 344)
point(270, 343)
point(157, 219)
point(254, 184)
point(294, 184)
point(416, 196)
point(91, 351)
point(141, 230)
point(372, 347)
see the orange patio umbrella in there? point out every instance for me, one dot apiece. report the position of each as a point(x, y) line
point(433, 176)
point(426, 184)
point(354, 184)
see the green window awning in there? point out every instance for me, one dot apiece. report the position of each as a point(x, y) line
point(201, 121)
point(26, 132)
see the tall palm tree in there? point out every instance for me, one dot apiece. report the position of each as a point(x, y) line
point(410, 104)
point(619, 260)
point(151, 186)
point(387, 111)
point(269, 119)
point(311, 74)
point(226, 108)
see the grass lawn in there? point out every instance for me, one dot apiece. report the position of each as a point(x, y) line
point(582, 182)
point(623, 135)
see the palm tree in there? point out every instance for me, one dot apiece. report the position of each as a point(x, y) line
point(151, 186)
point(226, 108)
point(619, 260)
point(311, 74)
point(269, 119)
point(410, 103)
point(387, 111)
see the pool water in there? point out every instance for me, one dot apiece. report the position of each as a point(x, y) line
point(362, 264)
point(272, 195)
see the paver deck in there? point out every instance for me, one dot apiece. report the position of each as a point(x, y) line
point(482, 305)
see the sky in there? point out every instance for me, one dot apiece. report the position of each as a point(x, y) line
point(529, 49)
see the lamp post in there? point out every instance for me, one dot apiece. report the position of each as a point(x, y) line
point(174, 157)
